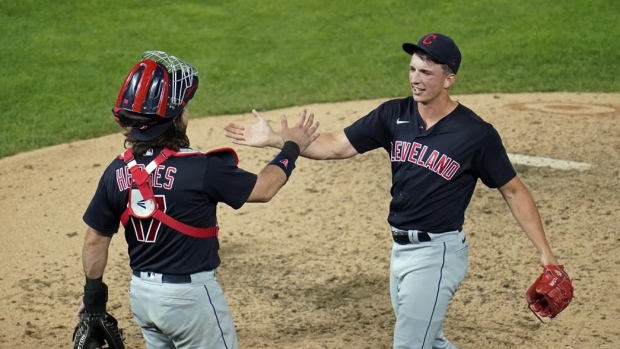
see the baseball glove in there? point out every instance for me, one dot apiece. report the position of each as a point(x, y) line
point(95, 331)
point(551, 293)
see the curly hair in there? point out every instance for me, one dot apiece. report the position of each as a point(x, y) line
point(174, 138)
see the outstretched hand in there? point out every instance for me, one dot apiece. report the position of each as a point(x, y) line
point(260, 134)
point(304, 131)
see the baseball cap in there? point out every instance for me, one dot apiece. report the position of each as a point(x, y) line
point(441, 47)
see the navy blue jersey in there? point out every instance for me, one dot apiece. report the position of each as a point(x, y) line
point(434, 171)
point(189, 186)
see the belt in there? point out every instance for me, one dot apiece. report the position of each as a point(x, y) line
point(402, 237)
point(170, 278)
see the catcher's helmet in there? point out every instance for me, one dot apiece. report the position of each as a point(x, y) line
point(154, 93)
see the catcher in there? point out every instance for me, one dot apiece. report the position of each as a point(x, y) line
point(165, 195)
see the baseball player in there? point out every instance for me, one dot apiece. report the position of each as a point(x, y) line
point(165, 195)
point(438, 150)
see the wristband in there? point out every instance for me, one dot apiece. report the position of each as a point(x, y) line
point(286, 158)
point(95, 295)
point(291, 149)
point(93, 283)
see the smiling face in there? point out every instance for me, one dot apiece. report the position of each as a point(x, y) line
point(429, 80)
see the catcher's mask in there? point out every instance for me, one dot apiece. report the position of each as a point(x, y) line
point(154, 93)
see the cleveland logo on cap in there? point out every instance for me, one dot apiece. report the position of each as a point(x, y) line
point(440, 47)
point(428, 40)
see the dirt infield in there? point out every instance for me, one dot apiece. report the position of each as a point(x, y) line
point(310, 268)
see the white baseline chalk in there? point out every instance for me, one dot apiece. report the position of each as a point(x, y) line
point(547, 162)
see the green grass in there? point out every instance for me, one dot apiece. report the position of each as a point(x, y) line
point(64, 61)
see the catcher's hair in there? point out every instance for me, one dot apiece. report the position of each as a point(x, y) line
point(174, 138)
point(428, 58)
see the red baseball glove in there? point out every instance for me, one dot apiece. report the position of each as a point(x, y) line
point(551, 293)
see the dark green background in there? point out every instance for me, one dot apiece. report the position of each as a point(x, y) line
point(64, 61)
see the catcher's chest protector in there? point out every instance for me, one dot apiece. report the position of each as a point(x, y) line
point(142, 204)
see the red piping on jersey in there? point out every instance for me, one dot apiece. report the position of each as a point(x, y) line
point(142, 179)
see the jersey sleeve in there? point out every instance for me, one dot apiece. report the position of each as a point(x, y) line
point(494, 166)
point(227, 183)
point(370, 132)
point(101, 214)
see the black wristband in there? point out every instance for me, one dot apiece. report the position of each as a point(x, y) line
point(93, 283)
point(286, 158)
point(95, 296)
point(290, 149)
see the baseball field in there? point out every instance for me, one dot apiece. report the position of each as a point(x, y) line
point(310, 268)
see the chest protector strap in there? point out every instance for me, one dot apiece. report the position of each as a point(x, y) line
point(142, 203)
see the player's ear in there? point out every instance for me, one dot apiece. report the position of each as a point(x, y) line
point(449, 80)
